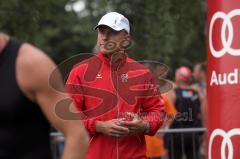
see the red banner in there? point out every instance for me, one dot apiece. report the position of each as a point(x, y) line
point(223, 63)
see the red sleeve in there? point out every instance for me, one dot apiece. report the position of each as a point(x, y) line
point(78, 99)
point(153, 108)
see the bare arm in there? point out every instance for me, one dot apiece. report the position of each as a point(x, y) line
point(33, 71)
point(3, 40)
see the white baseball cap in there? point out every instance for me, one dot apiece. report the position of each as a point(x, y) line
point(115, 20)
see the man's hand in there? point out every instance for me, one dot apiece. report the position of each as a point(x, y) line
point(111, 128)
point(136, 125)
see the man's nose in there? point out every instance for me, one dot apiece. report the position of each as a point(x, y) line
point(105, 36)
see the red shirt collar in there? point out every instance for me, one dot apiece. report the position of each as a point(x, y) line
point(107, 60)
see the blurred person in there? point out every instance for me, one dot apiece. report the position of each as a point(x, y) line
point(187, 102)
point(112, 135)
point(155, 144)
point(200, 77)
point(27, 101)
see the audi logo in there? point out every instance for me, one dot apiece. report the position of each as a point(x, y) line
point(226, 142)
point(226, 41)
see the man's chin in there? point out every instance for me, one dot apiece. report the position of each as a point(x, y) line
point(107, 52)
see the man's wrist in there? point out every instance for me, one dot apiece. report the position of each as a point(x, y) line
point(98, 126)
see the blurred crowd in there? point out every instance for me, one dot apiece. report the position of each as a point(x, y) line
point(185, 105)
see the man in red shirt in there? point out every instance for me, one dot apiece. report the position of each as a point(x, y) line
point(117, 95)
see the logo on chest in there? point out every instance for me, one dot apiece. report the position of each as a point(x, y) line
point(99, 76)
point(124, 77)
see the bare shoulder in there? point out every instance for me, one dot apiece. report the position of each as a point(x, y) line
point(31, 55)
point(195, 87)
point(33, 68)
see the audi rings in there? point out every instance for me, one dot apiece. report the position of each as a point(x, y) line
point(226, 142)
point(226, 41)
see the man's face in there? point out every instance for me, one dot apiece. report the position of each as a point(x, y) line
point(196, 72)
point(108, 39)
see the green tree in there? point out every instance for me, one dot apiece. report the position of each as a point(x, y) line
point(171, 31)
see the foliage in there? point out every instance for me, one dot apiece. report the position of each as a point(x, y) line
point(171, 31)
